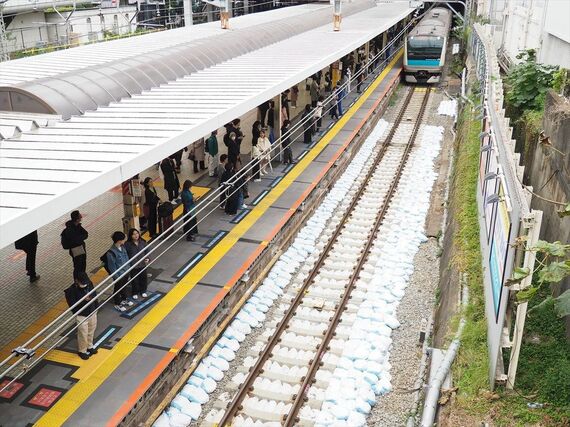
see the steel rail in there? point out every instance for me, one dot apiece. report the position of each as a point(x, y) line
point(316, 363)
point(235, 405)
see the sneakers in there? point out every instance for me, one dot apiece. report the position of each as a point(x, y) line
point(190, 238)
point(84, 356)
point(144, 295)
point(92, 350)
point(127, 303)
point(244, 206)
point(135, 297)
point(257, 180)
point(120, 308)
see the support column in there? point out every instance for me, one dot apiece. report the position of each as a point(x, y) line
point(188, 13)
point(337, 17)
point(225, 12)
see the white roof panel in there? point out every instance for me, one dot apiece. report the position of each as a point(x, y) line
point(103, 151)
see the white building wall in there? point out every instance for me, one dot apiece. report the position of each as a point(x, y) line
point(555, 48)
point(90, 25)
point(26, 31)
point(38, 29)
point(543, 25)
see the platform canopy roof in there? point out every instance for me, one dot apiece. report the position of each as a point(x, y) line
point(48, 171)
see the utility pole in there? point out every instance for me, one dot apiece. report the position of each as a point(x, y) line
point(4, 56)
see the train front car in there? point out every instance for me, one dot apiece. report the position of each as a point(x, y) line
point(425, 47)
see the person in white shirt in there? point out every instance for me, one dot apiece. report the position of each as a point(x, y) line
point(264, 147)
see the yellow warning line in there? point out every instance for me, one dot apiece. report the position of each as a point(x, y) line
point(85, 387)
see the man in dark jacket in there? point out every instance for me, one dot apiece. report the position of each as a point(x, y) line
point(171, 183)
point(29, 245)
point(73, 238)
point(87, 307)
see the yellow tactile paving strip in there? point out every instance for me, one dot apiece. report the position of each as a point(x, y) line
point(86, 386)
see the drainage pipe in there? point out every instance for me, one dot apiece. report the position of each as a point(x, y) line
point(432, 395)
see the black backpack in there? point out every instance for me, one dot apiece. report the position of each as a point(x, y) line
point(69, 295)
point(65, 243)
point(105, 261)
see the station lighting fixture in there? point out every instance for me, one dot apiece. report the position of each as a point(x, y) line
point(490, 175)
point(485, 148)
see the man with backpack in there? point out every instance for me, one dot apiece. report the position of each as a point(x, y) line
point(73, 239)
point(87, 307)
point(116, 262)
point(212, 153)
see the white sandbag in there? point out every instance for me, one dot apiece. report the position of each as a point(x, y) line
point(195, 381)
point(356, 419)
point(221, 364)
point(194, 394)
point(162, 421)
point(209, 385)
point(178, 419)
point(215, 373)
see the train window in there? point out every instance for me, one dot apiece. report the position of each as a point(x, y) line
point(425, 47)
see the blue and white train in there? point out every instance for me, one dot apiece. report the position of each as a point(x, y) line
point(425, 48)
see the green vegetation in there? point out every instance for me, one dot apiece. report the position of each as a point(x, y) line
point(544, 363)
point(528, 82)
point(471, 365)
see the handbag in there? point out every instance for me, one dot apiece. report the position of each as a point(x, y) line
point(77, 251)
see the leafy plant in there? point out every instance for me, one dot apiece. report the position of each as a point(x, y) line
point(528, 82)
point(552, 267)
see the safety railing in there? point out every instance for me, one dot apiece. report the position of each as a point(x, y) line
point(26, 356)
point(504, 210)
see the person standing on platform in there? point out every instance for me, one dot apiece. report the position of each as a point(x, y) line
point(177, 157)
point(255, 130)
point(314, 92)
point(285, 113)
point(286, 142)
point(265, 149)
point(319, 113)
point(256, 158)
point(73, 238)
point(151, 201)
point(294, 97)
point(306, 118)
point(271, 121)
point(232, 190)
point(190, 225)
point(334, 106)
point(171, 183)
point(341, 95)
point(118, 263)
point(198, 155)
point(212, 150)
point(29, 244)
point(87, 307)
point(233, 149)
point(220, 171)
point(263, 109)
point(137, 245)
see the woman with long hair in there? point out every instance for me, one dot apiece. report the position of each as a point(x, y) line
point(190, 224)
point(135, 245)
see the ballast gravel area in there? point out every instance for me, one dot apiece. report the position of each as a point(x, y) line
point(197, 401)
point(401, 262)
point(392, 409)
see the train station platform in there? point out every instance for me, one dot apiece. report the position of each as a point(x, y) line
point(187, 285)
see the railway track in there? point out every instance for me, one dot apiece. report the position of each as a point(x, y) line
point(284, 376)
